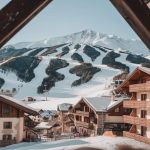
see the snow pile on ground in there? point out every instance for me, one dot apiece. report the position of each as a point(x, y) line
point(105, 143)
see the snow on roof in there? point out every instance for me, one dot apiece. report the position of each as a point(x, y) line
point(52, 103)
point(48, 113)
point(18, 104)
point(43, 125)
point(114, 103)
point(143, 69)
point(102, 104)
point(98, 103)
point(64, 106)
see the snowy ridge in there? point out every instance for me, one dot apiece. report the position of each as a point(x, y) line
point(93, 38)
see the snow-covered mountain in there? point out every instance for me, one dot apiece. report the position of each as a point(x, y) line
point(79, 64)
point(93, 38)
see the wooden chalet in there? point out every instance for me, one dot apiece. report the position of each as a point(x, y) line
point(137, 86)
point(94, 116)
point(65, 119)
point(12, 114)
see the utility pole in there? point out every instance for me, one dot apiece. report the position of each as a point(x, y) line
point(102, 121)
point(45, 91)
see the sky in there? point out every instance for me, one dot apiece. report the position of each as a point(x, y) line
point(62, 17)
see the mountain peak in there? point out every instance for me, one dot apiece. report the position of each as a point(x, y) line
point(90, 37)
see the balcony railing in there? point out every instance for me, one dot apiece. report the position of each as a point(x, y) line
point(82, 113)
point(136, 121)
point(136, 137)
point(142, 87)
point(136, 104)
point(82, 124)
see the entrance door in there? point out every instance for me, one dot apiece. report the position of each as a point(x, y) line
point(143, 131)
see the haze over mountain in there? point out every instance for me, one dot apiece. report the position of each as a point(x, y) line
point(79, 64)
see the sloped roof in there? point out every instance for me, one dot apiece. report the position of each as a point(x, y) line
point(64, 107)
point(102, 104)
point(142, 69)
point(48, 113)
point(98, 103)
point(18, 104)
point(43, 125)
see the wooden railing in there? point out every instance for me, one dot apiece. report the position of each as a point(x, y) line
point(82, 113)
point(136, 137)
point(82, 124)
point(136, 121)
point(142, 87)
point(136, 104)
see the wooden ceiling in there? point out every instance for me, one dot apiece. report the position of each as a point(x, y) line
point(16, 14)
point(137, 14)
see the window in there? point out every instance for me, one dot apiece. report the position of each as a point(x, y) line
point(6, 109)
point(7, 137)
point(78, 118)
point(86, 119)
point(7, 125)
point(86, 109)
point(143, 97)
point(143, 114)
point(117, 110)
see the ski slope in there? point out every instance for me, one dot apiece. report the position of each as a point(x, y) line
point(97, 86)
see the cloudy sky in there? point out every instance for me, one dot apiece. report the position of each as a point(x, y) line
point(62, 17)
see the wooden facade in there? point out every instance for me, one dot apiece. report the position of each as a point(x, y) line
point(12, 120)
point(7, 110)
point(89, 122)
point(16, 14)
point(137, 14)
point(138, 87)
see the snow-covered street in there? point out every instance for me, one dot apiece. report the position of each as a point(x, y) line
point(106, 143)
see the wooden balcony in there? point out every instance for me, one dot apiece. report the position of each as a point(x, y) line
point(136, 104)
point(142, 87)
point(82, 113)
point(131, 120)
point(82, 124)
point(131, 104)
point(136, 121)
point(136, 137)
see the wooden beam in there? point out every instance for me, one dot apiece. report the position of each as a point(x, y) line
point(137, 14)
point(16, 14)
